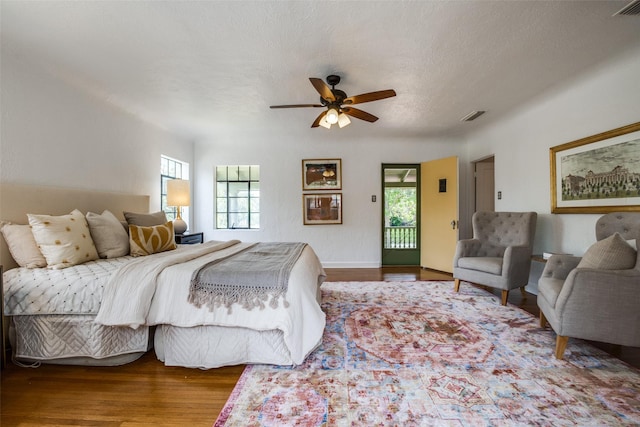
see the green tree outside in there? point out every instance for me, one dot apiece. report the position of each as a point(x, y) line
point(400, 209)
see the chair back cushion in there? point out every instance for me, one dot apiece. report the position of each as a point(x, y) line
point(625, 223)
point(502, 229)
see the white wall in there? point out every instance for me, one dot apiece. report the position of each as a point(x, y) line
point(604, 98)
point(54, 134)
point(356, 242)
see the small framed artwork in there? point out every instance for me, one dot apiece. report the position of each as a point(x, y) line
point(320, 209)
point(597, 174)
point(321, 174)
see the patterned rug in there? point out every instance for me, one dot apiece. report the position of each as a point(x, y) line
point(419, 354)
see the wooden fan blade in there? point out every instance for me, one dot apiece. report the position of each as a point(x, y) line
point(371, 96)
point(316, 123)
point(296, 106)
point(359, 114)
point(322, 88)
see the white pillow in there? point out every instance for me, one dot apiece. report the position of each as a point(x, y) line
point(63, 240)
point(612, 253)
point(22, 245)
point(108, 235)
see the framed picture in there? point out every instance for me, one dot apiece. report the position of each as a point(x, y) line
point(322, 174)
point(325, 208)
point(597, 174)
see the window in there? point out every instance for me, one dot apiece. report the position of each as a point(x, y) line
point(238, 197)
point(171, 169)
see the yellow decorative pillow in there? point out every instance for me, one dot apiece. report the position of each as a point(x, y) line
point(64, 240)
point(150, 240)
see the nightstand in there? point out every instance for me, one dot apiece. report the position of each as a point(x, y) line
point(189, 238)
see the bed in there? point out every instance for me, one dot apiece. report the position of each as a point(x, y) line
point(111, 311)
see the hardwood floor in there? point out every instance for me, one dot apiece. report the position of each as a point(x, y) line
point(146, 392)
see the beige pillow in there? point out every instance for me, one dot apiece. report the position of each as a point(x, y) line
point(612, 253)
point(145, 219)
point(64, 240)
point(110, 238)
point(22, 245)
point(150, 240)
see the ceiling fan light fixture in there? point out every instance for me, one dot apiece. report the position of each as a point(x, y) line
point(343, 120)
point(332, 116)
point(324, 123)
point(338, 105)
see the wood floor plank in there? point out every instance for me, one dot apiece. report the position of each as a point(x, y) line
point(147, 393)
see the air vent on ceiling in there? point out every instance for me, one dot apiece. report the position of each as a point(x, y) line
point(472, 116)
point(632, 8)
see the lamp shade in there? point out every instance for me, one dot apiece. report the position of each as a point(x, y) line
point(324, 123)
point(343, 120)
point(178, 192)
point(332, 116)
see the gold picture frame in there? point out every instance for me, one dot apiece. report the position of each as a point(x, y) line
point(321, 174)
point(597, 174)
point(322, 208)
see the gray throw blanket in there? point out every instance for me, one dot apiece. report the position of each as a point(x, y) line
point(248, 278)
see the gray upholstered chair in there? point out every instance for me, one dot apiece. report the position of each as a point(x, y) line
point(596, 297)
point(499, 255)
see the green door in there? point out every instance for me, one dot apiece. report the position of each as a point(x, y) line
point(400, 213)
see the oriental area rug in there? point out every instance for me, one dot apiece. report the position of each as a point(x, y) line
point(419, 354)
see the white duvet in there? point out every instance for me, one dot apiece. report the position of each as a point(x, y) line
point(154, 290)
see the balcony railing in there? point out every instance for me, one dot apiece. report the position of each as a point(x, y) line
point(400, 237)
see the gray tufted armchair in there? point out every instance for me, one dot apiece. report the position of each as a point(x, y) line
point(499, 255)
point(596, 304)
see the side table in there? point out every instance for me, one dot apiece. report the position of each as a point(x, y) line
point(189, 238)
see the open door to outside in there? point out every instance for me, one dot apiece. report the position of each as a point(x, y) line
point(439, 213)
point(401, 210)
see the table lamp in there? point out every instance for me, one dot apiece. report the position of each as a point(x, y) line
point(178, 196)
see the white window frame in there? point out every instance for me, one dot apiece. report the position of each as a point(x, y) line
point(171, 168)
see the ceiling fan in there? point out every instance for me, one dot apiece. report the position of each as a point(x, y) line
point(338, 105)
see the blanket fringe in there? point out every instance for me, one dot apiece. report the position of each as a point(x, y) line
point(246, 297)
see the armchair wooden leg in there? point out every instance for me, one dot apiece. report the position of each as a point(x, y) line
point(543, 320)
point(456, 286)
point(523, 292)
point(561, 345)
point(505, 295)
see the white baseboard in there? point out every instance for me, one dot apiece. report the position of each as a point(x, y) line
point(340, 264)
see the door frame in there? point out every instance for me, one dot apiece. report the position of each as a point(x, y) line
point(487, 159)
point(400, 257)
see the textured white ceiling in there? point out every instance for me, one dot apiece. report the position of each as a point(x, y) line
point(199, 68)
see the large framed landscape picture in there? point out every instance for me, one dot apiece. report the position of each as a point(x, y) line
point(597, 174)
